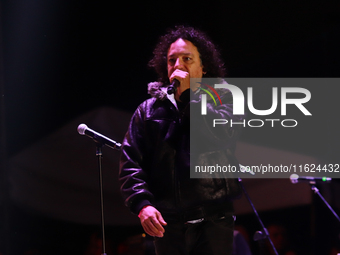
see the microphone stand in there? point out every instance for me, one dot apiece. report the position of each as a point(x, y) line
point(99, 155)
point(100, 141)
point(316, 191)
point(263, 234)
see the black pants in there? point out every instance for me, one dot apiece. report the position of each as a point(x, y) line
point(210, 237)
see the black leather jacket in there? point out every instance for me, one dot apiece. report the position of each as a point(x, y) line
point(155, 158)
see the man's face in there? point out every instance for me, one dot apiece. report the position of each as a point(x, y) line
point(183, 55)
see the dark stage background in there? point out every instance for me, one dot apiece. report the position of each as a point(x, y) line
point(61, 59)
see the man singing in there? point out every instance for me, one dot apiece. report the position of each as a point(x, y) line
point(185, 215)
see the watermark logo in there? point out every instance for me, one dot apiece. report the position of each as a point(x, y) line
point(204, 97)
point(239, 104)
point(280, 116)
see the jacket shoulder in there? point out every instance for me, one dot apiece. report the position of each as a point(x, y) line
point(154, 108)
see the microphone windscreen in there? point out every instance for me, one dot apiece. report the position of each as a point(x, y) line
point(294, 178)
point(81, 129)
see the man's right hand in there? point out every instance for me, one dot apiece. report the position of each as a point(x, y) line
point(152, 221)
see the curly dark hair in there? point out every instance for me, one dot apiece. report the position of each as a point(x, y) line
point(209, 54)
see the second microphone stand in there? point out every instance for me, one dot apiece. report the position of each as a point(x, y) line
point(263, 234)
point(316, 191)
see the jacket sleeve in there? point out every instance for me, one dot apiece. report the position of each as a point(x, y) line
point(132, 175)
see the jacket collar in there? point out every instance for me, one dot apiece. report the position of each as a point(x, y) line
point(159, 91)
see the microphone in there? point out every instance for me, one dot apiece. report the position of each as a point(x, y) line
point(97, 137)
point(173, 86)
point(294, 178)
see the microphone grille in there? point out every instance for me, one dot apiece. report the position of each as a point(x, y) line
point(294, 178)
point(81, 129)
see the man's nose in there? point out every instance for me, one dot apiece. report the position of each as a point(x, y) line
point(178, 63)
